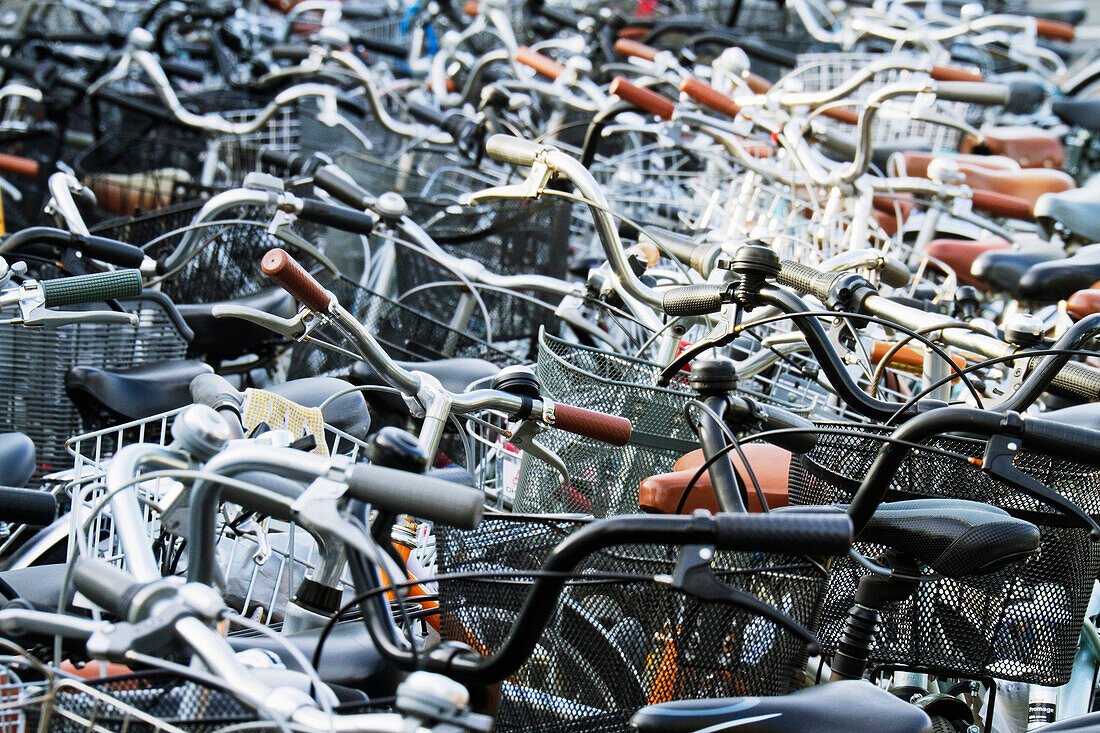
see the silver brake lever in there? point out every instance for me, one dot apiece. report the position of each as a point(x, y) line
point(522, 438)
point(37, 316)
point(293, 328)
point(529, 188)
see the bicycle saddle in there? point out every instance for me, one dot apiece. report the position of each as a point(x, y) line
point(1077, 210)
point(1083, 724)
point(1002, 269)
point(1084, 302)
point(1028, 146)
point(662, 493)
point(40, 586)
point(959, 255)
point(1078, 112)
point(954, 537)
point(131, 394)
point(916, 163)
point(349, 656)
point(1051, 281)
point(229, 338)
point(849, 705)
point(1027, 184)
point(454, 374)
point(347, 413)
point(16, 459)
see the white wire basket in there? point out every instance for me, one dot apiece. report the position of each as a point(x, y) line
point(261, 560)
point(240, 154)
point(902, 119)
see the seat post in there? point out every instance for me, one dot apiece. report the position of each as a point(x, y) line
point(874, 592)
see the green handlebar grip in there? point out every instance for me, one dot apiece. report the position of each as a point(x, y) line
point(91, 288)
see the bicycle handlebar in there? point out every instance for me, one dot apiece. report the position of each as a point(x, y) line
point(92, 288)
point(401, 492)
point(100, 248)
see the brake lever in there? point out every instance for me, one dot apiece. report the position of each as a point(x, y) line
point(38, 316)
point(295, 328)
point(523, 438)
point(720, 335)
point(529, 188)
point(695, 576)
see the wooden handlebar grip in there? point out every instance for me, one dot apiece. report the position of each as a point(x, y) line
point(1053, 30)
point(629, 47)
point(596, 425)
point(278, 265)
point(542, 64)
point(709, 97)
point(18, 166)
point(954, 73)
point(645, 99)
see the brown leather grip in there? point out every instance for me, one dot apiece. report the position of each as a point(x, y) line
point(629, 47)
point(1083, 303)
point(1053, 30)
point(278, 265)
point(954, 73)
point(758, 84)
point(641, 98)
point(472, 8)
point(596, 425)
point(18, 166)
point(540, 63)
point(999, 204)
point(842, 115)
point(709, 97)
point(634, 32)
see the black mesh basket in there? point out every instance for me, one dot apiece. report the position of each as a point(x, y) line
point(406, 334)
point(611, 647)
point(150, 702)
point(604, 478)
point(33, 365)
point(1021, 623)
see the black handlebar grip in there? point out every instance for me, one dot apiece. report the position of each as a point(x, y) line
point(296, 164)
point(91, 288)
point(401, 492)
point(111, 251)
point(973, 92)
point(1062, 439)
point(290, 52)
point(693, 300)
point(515, 150)
point(27, 506)
point(776, 418)
point(1025, 97)
point(812, 532)
point(333, 181)
point(183, 70)
point(427, 114)
point(386, 48)
point(1078, 379)
point(338, 217)
point(105, 585)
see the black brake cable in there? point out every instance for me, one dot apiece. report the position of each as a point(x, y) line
point(585, 578)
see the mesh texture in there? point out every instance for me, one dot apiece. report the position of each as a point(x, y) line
point(610, 648)
point(1021, 623)
point(604, 478)
point(33, 400)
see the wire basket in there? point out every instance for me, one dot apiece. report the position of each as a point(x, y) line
point(508, 237)
point(150, 702)
point(144, 227)
point(611, 647)
point(262, 561)
point(1021, 623)
point(240, 154)
point(33, 365)
point(604, 478)
point(895, 121)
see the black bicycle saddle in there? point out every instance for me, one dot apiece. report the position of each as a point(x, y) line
point(1078, 210)
point(1059, 279)
point(1002, 269)
point(836, 707)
